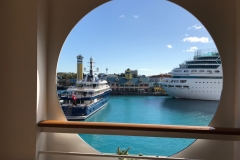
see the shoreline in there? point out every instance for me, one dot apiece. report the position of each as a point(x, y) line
point(139, 93)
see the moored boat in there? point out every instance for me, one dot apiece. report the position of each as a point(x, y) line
point(200, 78)
point(90, 94)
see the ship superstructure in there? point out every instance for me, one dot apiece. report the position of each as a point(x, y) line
point(88, 96)
point(200, 78)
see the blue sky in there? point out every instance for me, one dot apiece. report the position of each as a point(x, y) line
point(152, 36)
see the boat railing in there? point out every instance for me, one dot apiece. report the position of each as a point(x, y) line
point(197, 71)
point(91, 87)
point(80, 95)
point(151, 130)
point(87, 95)
point(88, 104)
point(81, 105)
point(209, 59)
point(91, 95)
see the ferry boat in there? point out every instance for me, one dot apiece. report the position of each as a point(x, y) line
point(88, 96)
point(200, 78)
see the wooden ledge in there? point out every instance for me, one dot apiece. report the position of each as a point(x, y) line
point(139, 127)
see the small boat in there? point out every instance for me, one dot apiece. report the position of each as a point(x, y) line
point(86, 98)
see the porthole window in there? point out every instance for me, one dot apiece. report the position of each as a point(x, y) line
point(100, 34)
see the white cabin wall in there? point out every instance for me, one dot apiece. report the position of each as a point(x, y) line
point(237, 82)
point(42, 36)
point(18, 83)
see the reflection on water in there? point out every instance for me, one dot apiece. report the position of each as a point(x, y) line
point(156, 110)
point(189, 105)
point(101, 115)
point(189, 112)
point(150, 110)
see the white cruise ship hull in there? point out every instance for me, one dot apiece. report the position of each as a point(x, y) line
point(202, 89)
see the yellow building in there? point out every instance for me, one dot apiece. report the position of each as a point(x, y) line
point(157, 88)
point(128, 74)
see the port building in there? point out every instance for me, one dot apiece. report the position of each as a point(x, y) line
point(129, 82)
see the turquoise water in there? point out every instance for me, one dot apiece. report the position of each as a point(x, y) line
point(149, 110)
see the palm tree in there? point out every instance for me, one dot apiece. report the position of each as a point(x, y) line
point(122, 152)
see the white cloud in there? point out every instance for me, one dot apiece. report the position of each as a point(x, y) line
point(196, 26)
point(145, 69)
point(197, 39)
point(186, 35)
point(191, 49)
point(135, 16)
point(169, 46)
point(121, 16)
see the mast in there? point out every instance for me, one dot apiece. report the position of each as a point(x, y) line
point(91, 66)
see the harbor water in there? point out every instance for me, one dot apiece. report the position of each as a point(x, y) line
point(149, 110)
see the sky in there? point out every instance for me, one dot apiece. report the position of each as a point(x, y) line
point(152, 37)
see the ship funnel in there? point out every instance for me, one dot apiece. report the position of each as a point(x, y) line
point(79, 67)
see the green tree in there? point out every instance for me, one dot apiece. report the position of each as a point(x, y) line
point(67, 75)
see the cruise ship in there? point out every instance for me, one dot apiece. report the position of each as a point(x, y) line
point(199, 78)
point(90, 94)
